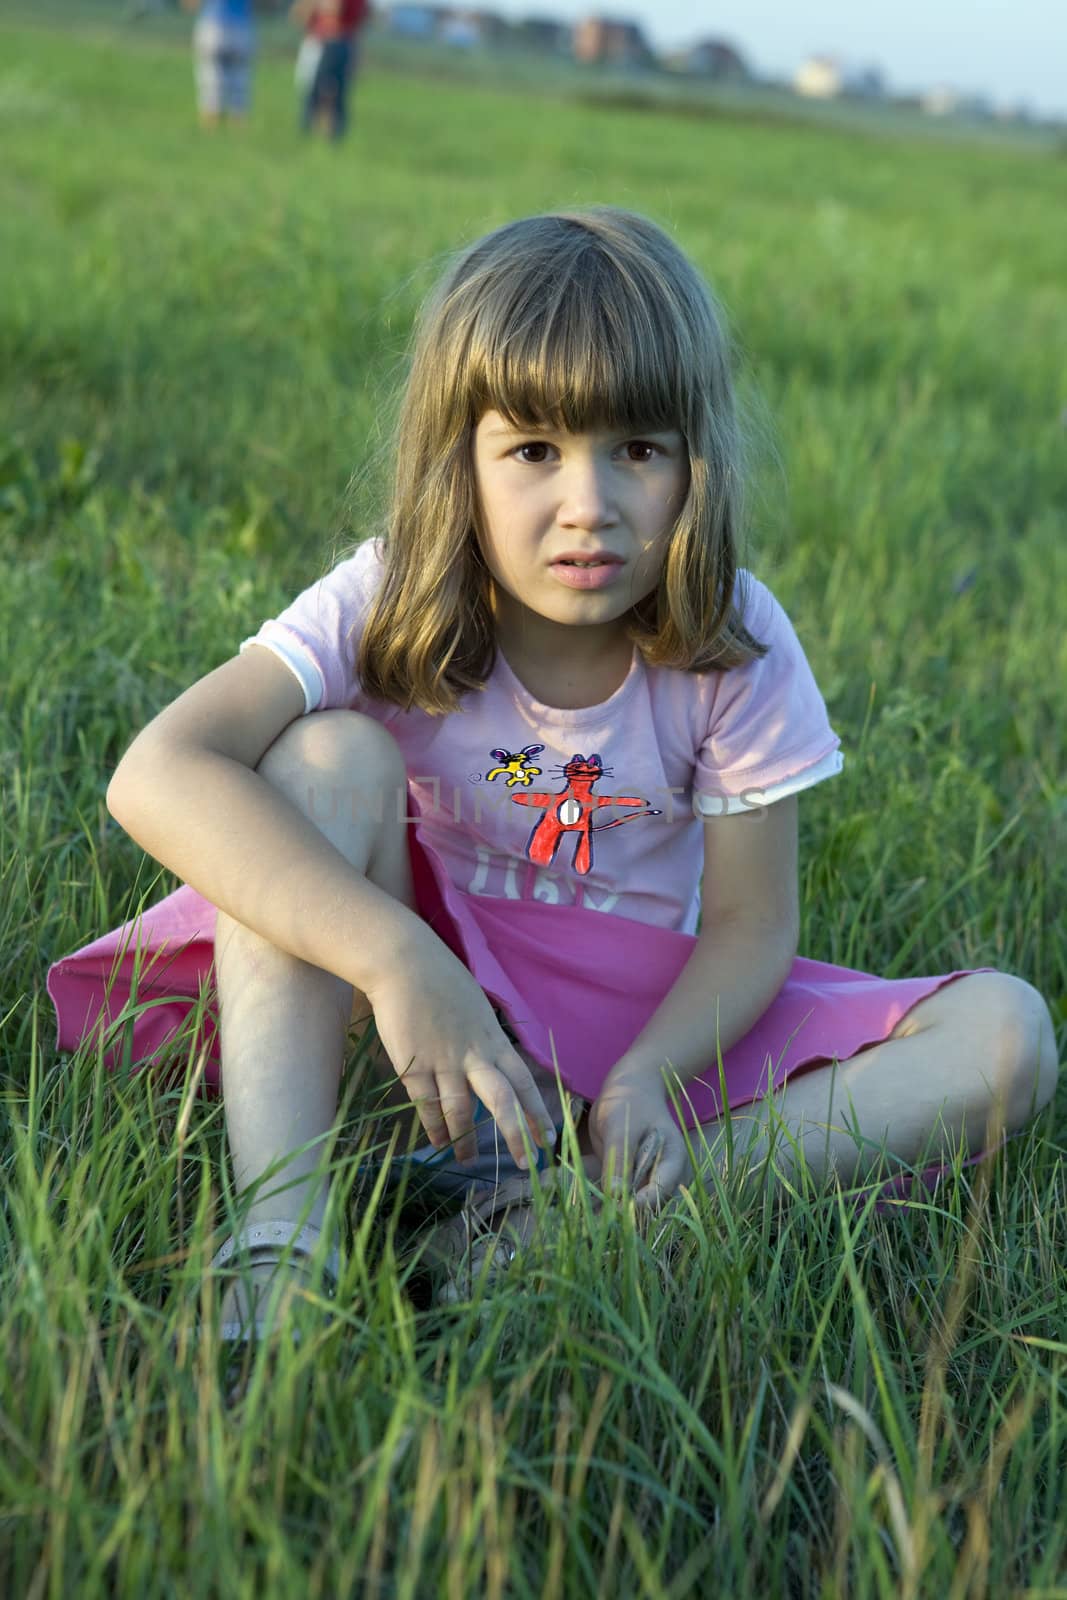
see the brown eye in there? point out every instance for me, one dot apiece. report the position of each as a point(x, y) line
point(533, 453)
point(640, 450)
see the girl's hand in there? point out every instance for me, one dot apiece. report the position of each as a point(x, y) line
point(443, 1039)
point(638, 1142)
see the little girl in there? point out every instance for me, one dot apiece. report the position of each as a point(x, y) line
point(388, 802)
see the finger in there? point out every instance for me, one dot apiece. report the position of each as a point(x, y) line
point(503, 1104)
point(458, 1114)
point(615, 1163)
point(615, 1134)
point(520, 1124)
point(647, 1157)
point(669, 1171)
point(422, 1091)
point(523, 1083)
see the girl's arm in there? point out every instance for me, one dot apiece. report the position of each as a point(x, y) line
point(188, 792)
point(748, 938)
point(750, 917)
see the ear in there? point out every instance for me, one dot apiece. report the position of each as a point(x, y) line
point(499, 755)
point(595, 757)
point(533, 749)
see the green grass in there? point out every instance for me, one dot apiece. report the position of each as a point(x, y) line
point(199, 340)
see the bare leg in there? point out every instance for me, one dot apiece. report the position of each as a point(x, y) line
point(967, 1065)
point(284, 1023)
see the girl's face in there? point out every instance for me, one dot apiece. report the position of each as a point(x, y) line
point(575, 526)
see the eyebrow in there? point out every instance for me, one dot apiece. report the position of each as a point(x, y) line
point(504, 428)
point(634, 430)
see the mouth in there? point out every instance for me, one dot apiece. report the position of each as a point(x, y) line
point(595, 558)
point(586, 571)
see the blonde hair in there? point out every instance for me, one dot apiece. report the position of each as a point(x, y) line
point(574, 320)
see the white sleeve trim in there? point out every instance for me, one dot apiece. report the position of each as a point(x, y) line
point(307, 675)
point(728, 805)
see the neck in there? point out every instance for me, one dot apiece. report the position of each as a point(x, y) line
point(563, 666)
point(523, 635)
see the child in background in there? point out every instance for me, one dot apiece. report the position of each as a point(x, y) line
point(329, 56)
point(223, 43)
point(388, 802)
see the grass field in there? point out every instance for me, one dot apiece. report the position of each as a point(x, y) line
point(199, 342)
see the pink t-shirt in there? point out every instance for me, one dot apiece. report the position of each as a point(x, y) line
point(514, 795)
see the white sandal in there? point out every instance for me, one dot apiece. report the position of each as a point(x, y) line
point(266, 1243)
point(476, 1242)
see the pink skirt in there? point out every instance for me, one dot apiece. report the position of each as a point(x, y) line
point(577, 987)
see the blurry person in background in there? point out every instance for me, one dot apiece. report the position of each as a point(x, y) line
point(327, 61)
point(222, 52)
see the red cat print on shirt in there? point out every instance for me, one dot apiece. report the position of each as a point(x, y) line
point(571, 810)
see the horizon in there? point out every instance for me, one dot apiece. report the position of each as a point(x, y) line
point(1012, 58)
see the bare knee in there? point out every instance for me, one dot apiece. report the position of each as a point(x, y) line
point(346, 774)
point(326, 757)
point(1023, 1045)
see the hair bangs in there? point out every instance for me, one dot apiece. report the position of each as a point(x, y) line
point(578, 350)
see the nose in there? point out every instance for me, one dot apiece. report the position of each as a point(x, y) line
point(586, 500)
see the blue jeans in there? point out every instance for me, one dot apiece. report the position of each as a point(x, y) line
point(328, 94)
point(437, 1172)
point(435, 1175)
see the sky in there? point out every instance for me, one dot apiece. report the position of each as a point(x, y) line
point(1011, 50)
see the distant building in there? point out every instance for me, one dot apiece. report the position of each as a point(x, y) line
point(866, 82)
point(940, 101)
point(413, 22)
point(470, 29)
point(455, 25)
point(944, 101)
point(818, 78)
point(603, 41)
point(825, 78)
point(543, 34)
point(715, 58)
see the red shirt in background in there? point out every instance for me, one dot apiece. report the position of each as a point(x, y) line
point(350, 15)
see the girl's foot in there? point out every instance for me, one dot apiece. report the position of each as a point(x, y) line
point(480, 1242)
point(271, 1263)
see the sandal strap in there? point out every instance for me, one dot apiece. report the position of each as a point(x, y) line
point(273, 1238)
point(514, 1193)
point(460, 1244)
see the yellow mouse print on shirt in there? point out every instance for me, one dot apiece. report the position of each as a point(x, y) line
point(515, 767)
point(567, 810)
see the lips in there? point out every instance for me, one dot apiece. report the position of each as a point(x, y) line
point(587, 558)
point(586, 570)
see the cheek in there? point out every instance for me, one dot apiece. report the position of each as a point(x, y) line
point(672, 507)
point(505, 522)
point(648, 568)
point(489, 518)
point(499, 540)
point(663, 503)
point(663, 512)
point(678, 492)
